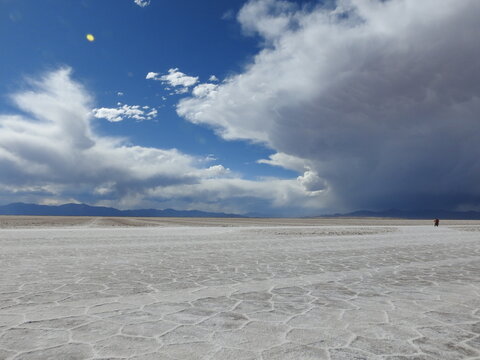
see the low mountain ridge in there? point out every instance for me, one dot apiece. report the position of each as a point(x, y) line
point(87, 210)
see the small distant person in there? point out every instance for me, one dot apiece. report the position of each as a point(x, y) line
point(436, 222)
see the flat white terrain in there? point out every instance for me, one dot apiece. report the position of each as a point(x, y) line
point(87, 288)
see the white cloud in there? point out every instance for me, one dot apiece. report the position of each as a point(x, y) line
point(311, 181)
point(142, 3)
point(152, 75)
point(120, 93)
point(217, 170)
point(269, 18)
point(286, 161)
point(203, 90)
point(50, 153)
point(213, 78)
point(176, 79)
point(182, 90)
point(152, 114)
point(124, 111)
point(380, 99)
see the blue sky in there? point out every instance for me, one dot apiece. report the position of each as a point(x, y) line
point(199, 39)
point(313, 107)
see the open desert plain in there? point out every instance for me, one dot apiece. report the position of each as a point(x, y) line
point(240, 289)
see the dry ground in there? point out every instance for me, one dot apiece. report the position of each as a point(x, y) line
point(219, 289)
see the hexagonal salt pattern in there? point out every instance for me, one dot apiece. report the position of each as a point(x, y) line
point(243, 293)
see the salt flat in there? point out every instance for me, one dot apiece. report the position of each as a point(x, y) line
point(92, 288)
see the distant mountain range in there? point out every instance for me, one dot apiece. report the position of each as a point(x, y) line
point(414, 214)
point(87, 210)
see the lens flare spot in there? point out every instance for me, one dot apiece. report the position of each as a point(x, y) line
point(90, 37)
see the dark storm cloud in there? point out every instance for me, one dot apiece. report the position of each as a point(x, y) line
point(379, 100)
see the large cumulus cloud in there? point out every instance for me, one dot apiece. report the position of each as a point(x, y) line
point(52, 143)
point(51, 153)
point(377, 100)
